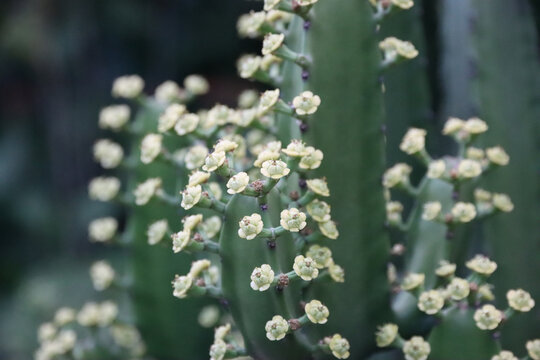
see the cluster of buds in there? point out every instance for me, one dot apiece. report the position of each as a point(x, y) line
point(73, 334)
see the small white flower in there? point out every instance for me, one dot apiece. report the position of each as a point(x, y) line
point(336, 272)
point(167, 92)
point(453, 126)
point(488, 317)
point(196, 84)
point(393, 47)
point(319, 210)
point(186, 124)
point(412, 281)
point(296, 148)
point(190, 222)
point(329, 229)
point(293, 220)
point(198, 177)
point(46, 331)
point(103, 188)
point(195, 156)
point(237, 183)
point(503, 202)
point(128, 87)
point(248, 65)
point(275, 169)
point(102, 275)
point(270, 4)
point(213, 161)
point(533, 348)
point(250, 226)
point(318, 186)
point(150, 147)
point(396, 175)
point(272, 42)
point(103, 229)
point(386, 335)
point(268, 99)
point(146, 190)
point(277, 328)
point(156, 231)
point(416, 349)
point(312, 160)
point(445, 269)
point(463, 212)
point(191, 196)
point(316, 312)
point(431, 302)
point(475, 126)
point(114, 117)
point(432, 209)
point(218, 350)
point(436, 169)
point(218, 115)
point(413, 141)
point(321, 254)
point(504, 355)
point(262, 277)
point(180, 240)
point(170, 117)
point(211, 226)
point(225, 145)
point(306, 103)
point(339, 347)
point(520, 300)
point(497, 156)
point(305, 267)
point(482, 265)
point(108, 153)
point(64, 316)
point(468, 168)
point(248, 25)
point(181, 286)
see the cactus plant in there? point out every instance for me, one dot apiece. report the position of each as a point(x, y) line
point(284, 200)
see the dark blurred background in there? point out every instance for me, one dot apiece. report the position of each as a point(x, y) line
point(58, 59)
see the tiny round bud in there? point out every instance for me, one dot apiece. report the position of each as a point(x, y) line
point(487, 317)
point(277, 328)
point(386, 335)
point(306, 103)
point(250, 226)
point(262, 277)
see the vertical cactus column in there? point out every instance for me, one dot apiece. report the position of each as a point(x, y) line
point(348, 128)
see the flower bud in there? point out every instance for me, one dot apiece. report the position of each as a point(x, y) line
point(196, 84)
point(413, 141)
point(103, 188)
point(497, 156)
point(336, 272)
point(102, 275)
point(191, 221)
point(167, 92)
point(393, 212)
point(198, 178)
point(533, 349)
point(453, 126)
point(268, 99)
point(181, 285)
point(170, 117)
point(180, 240)
point(502, 202)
